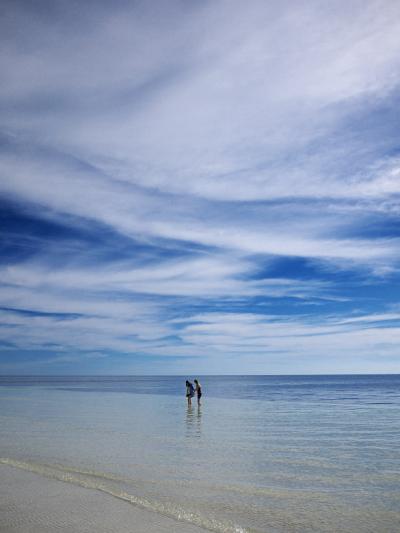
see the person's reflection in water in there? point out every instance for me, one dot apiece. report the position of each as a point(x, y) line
point(189, 420)
point(193, 421)
point(198, 421)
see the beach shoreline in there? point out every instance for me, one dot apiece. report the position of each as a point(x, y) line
point(33, 503)
point(129, 455)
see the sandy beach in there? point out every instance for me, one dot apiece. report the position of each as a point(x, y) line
point(30, 503)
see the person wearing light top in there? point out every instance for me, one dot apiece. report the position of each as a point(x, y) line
point(189, 392)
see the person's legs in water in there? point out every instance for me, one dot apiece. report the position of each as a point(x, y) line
point(188, 393)
point(198, 391)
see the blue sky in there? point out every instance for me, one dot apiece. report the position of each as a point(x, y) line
point(199, 187)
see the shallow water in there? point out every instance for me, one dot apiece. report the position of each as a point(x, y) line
point(265, 453)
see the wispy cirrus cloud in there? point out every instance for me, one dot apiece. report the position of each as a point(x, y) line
point(183, 175)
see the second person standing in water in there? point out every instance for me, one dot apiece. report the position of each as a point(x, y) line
point(198, 391)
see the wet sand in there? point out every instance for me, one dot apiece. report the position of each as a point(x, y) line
point(30, 503)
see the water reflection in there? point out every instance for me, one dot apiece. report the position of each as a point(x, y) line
point(193, 421)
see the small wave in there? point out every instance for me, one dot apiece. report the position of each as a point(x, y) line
point(98, 481)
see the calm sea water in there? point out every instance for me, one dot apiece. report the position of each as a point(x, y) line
point(265, 453)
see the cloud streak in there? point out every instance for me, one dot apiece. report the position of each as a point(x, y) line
point(184, 183)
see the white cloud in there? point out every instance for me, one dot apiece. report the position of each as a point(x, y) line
point(282, 229)
point(244, 130)
point(215, 106)
point(302, 338)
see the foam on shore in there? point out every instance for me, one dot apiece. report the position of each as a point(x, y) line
point(108, 484)
point(38, 504)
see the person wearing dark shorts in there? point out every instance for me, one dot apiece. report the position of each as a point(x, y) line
point(198, 391)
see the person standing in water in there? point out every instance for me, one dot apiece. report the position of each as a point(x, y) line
point(198, 391)
point(189, 392)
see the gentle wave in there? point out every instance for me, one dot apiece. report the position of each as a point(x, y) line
point(243, 489)
point(98, 481)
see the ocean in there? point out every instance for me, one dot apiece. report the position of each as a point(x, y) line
point(262, 453)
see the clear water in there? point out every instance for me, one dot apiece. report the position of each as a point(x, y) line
point(265, 453)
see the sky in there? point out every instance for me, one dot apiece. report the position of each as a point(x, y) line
point(199, 187)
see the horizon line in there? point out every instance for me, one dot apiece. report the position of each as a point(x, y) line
point(197, 374)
